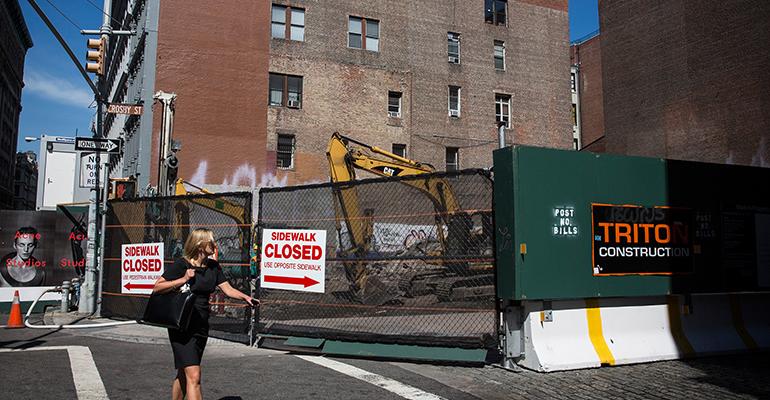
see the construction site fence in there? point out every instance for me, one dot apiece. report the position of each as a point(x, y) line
point(408, 260)
point(169, 220)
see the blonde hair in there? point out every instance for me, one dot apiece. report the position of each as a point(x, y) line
point(192, 246)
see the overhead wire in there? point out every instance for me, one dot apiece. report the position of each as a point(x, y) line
point(102, 11)
point(64, 15)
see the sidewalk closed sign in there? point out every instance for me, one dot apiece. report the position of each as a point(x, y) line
point(293, 259)
point(140, 266)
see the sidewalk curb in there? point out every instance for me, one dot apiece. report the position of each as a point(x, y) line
point(130, 333)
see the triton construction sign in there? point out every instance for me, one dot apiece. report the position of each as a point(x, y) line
point(641, 240)
point(293, 259)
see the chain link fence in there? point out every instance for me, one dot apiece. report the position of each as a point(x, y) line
point(170, 220)
point(408, 260)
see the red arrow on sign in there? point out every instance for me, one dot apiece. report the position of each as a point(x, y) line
point(130, 285)
point(305, 281)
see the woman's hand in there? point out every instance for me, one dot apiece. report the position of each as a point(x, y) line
point(251, 301)
point(189, 274)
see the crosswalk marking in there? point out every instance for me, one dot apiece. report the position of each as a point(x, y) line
point(393, 386)
point(85, 375)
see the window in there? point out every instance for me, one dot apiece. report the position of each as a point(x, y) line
point(293, 18)
point(454, 101)
point(452, 158)
point(572, 82)
point(285, 151)
point(399, 149)
point(453, 47)
point(494, 11)
point(394, 104)
point(285, 90)
point(364, 33)
point(500, 55)
point(503, 109)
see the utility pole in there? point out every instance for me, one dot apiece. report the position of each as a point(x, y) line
point(88, 291)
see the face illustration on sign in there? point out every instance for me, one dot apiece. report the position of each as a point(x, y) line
point(21, 268)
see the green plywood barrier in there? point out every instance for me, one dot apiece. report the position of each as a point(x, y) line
point(405, 352)
point(543, 214)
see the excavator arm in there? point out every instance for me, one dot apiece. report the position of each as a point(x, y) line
point(453, 225)
point(346, 155)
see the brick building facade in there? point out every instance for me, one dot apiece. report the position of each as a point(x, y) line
point(347, 89)
point(687, 79)
point(586, 59)
point(254, 108)
point(14, 43)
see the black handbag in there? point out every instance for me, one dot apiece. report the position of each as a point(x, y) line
point(171, 309)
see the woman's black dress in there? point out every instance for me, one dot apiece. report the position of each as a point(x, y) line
point(188, 345)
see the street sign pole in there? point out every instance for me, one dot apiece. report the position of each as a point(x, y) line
point(91, 289)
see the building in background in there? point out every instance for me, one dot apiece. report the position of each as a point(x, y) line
point(687, 79)
point(25, 181)
point(14, 43)
point(262, 86)
point(587, 93)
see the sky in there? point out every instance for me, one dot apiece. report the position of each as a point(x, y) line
point(56, 99)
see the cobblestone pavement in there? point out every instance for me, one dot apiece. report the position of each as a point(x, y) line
point(234, 371)
point(722, 377)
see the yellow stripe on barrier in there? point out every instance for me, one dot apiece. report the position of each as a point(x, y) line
point(596, 334)
point(740, 326)
point(675, 321)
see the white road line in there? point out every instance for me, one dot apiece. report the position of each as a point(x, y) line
point(85, 376)
point(393, 386)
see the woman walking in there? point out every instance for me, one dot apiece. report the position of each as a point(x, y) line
point(201, 270)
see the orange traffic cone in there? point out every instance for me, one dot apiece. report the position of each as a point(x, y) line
point(14, 320)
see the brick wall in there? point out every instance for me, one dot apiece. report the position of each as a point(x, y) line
point(346, 89)
point(588, 57)
point(214, 57)
point(687, 79)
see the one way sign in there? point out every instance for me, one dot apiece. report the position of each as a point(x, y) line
point(111, 146)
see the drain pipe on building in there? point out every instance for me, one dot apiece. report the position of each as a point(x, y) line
point(501, 134)
point(65, 304)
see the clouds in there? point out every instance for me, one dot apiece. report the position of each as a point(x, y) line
point(57, 90)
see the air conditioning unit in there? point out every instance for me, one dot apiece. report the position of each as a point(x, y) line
point(454, 60)
point(454, 113)
point(394, 114)
point(292, 103)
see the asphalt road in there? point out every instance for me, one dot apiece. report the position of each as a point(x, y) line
point(132, 364)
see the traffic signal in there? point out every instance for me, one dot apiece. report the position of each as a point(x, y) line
point(96, 55)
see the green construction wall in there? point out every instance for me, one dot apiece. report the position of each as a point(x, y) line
point(531, 182)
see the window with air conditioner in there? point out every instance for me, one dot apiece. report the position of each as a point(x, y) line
point(285, 90)
point(454, 101)
point(453, 47)
point(394, 104)
point(284, 153)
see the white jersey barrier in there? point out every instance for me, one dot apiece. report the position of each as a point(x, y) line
point(588, 333)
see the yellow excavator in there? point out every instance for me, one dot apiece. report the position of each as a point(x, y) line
point(346, 155)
